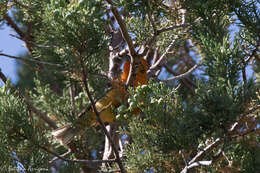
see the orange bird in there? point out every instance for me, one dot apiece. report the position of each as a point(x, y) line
point(114, 98)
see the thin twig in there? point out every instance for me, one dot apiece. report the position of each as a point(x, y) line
point(118, 160)
point(173, 27)
point(159, 62)
point(112, 171)
point(152, 22)
point(244, 73)
point(237, 124)
point(159, 31)
point(72, 95)
point(63, 155)
point(30, 60)
point(77, 160)
point(254, 52)
point(181, 76)
point(186, 81)
point(31, 42)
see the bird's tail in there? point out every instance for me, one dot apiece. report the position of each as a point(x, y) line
point(65, 134)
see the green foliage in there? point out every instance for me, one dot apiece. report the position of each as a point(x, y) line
point(155, 136)
point(167, 124)
point(76, 28)
point(20, 133)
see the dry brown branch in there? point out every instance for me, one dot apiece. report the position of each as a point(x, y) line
point(13, 25)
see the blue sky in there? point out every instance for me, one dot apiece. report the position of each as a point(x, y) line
point(12, 46)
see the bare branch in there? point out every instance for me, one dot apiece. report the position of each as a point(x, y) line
point(159, 62)
point(181, 76)
point(237, 124)
point(196, 164)
point(77, 160)
point(152, 22)
point(123, 28)
point(41, 115)
point(206, 150)
point(30, 60)
point(13, 25)
point(186, 81)
point(84, 79)
point(200, 155)
point(173, 27)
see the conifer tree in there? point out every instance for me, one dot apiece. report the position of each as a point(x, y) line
point(198, 111)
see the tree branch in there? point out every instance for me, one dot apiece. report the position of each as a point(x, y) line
point(2, 76)
point(13, 25)
point(206, 150)
point(181, 76)
point(159, 62)
point(122, 28)
point(200, 155)
point(172, 27)
point(254, 52)
point(77, 160)
point(196, 164)
point(30, 60)
point(84, 79)
point(187, 82)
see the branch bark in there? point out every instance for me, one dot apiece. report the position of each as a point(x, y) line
point(23, 35)
point(77, 160)
point(118, 160)
point(181, 76)
point(30, 60)
point(159, 62)
point(122, 28)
